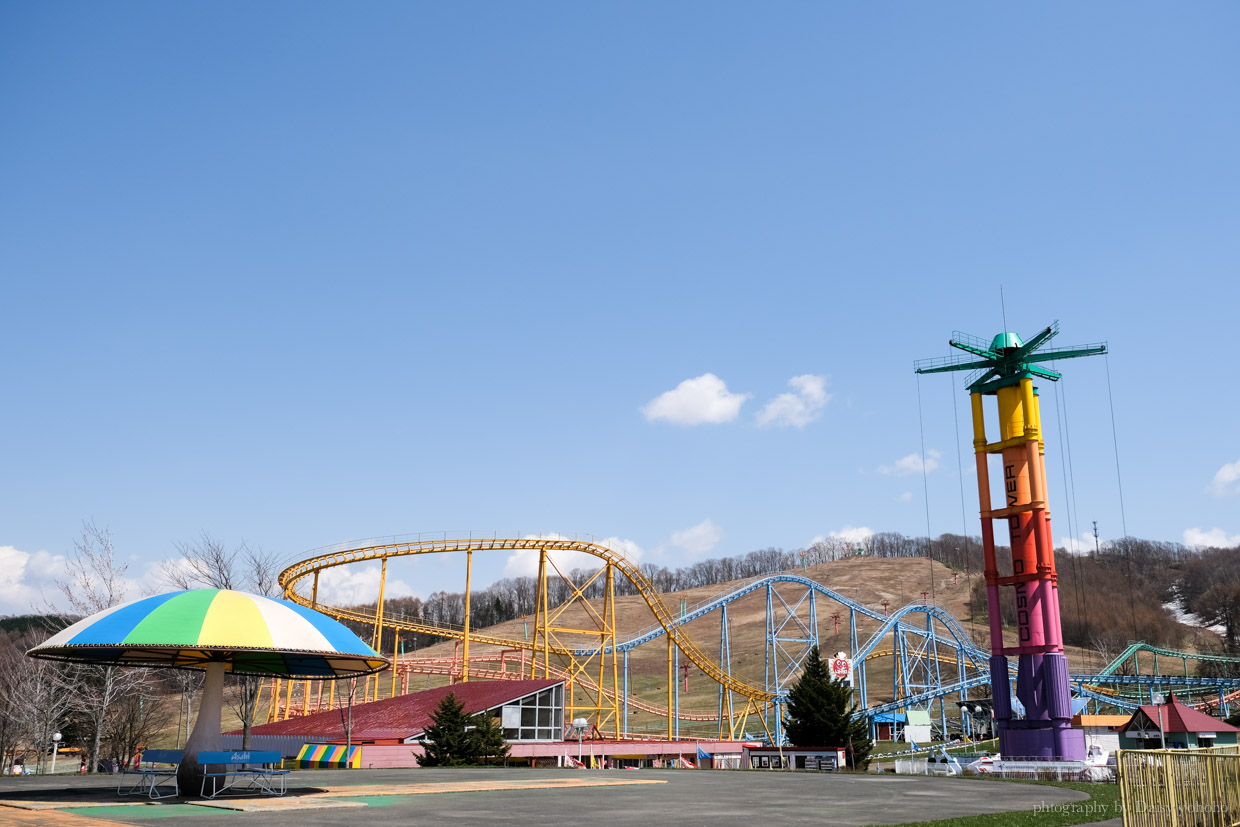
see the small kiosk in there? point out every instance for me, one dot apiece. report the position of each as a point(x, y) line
point(816, 759)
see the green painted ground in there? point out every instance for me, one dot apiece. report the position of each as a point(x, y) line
point(376, 800)
point(128, 813)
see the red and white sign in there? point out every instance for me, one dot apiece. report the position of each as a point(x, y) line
point(841, 667)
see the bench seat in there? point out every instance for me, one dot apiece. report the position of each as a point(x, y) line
point(243, 771)
point(155, 773)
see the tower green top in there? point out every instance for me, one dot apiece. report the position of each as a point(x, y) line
point(1006, 359)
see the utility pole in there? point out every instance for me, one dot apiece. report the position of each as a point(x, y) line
point(1095, 537)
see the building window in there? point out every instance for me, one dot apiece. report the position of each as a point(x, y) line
point(538, 716)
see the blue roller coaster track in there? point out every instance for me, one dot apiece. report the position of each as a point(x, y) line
point(934, 661)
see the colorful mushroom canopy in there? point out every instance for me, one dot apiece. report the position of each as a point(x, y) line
point(249, 633)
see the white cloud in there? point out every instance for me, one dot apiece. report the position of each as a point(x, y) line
point(27, 580)
point(351, 585)
point(696, 401)
point(628, 548)
point(853, 534)
point(1080, 545)
point(907, 496)
point(797, 409)
point(1214, 538)
point(523, 562)
point(699, 539)
point(911, 464)
point(1225, 480)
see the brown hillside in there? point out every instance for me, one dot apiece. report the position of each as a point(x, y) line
point(868, 581)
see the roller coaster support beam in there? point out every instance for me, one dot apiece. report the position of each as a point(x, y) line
point(378, 632)
point(725, 660)
point(671, 688)
point(469, 567)
point(625, 726)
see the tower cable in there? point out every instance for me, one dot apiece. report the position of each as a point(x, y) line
point(1082, 608)
point(925, 487)
point(1119, 480)
point(964, 519)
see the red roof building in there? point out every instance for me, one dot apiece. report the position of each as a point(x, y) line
point(1181, 726)
point(531, 710)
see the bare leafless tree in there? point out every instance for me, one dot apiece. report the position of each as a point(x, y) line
point(132, 720)
point(96, 581)
point(1109, 646)
point(45, 697)
point(95, 577)
point(27, 705)
point(346, 712)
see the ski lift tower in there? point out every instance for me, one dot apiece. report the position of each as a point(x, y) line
point(1006, 368)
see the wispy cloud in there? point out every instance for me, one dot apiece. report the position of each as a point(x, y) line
point(911, 464)
point(1080, 545)
point(27, 580)
point(524, 561)
point(348, 585)
point(699, 539)
point(797, 409)
point(1226, 480)
point(1214, 538)
point(701, 400)
point(852, 534)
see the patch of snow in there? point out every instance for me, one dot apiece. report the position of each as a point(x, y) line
point(1190, 619)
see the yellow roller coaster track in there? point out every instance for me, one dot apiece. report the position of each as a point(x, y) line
point(757, 699)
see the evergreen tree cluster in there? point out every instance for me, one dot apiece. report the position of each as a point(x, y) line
point(455, 739)
point(820, 713)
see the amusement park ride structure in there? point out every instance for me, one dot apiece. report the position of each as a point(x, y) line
point(933, 659)
point(1005, 368)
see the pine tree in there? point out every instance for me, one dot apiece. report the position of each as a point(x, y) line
point(488, 737)
point(820, 714)
point(448, 742)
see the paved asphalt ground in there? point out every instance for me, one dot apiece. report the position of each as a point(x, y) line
point(751, 799)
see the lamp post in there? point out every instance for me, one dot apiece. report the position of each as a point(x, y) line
point(579, 726)
point(56, 736)
point(1158, 704)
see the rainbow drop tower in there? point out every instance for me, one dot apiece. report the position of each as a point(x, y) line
point(1006, 368)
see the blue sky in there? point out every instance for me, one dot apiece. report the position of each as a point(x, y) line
point(299, 273)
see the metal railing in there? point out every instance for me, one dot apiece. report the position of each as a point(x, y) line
point(1180, 787)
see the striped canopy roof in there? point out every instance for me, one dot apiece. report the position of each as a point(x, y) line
point(251, 634)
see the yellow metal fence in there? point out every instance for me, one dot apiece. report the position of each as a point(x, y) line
point(1180, 787)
